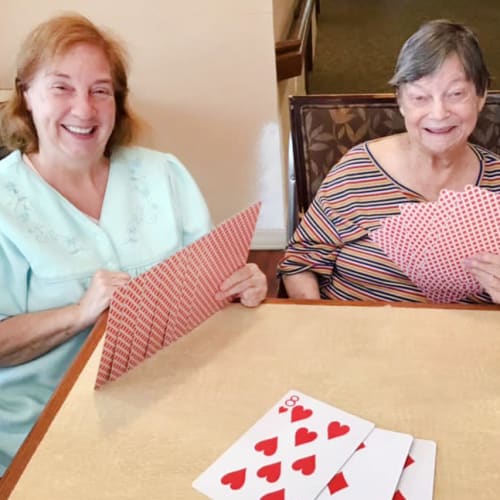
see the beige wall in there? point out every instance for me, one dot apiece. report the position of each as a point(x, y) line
point(203, 76)
point(283, 14)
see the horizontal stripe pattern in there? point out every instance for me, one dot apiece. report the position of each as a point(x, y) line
point(332, 238)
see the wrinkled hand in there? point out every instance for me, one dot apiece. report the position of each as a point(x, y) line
point(486, 269)
point(248, 283)
point(98, 295)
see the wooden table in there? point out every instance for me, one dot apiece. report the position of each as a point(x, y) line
point(430, 372)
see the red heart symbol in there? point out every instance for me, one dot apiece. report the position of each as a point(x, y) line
point(300, 413)
point(336, 430)
point(398, 496)
point(306, 465)
point(408, 462)
point(271, 473)
point(235, 480)
point(337, 483)
point(275, 495)
point(267, 446)
point(303, 435)
point(282, 409)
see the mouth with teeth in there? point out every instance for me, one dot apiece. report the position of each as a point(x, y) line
point(80, 131)
point(439, 130)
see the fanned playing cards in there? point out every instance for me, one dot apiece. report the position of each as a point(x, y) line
point(305, 449)
point(168, 301)
point(429, 241)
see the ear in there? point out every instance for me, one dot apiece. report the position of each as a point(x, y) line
point(27, 99)
point(481, 101)
point(398, 100)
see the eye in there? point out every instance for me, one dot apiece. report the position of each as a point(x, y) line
point(60, 87)
point(419, 98)
point(102, 91)
point(456, 94)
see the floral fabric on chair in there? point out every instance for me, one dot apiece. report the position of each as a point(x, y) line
point(324, 127)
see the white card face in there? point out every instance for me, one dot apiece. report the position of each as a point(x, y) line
point(417, 479)
point(289, 454)
point(373, 470)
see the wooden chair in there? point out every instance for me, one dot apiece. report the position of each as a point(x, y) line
point(324, 127)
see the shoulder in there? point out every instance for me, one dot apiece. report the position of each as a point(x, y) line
point(488, 157)
point(144, 157)
point(358, 161)
point(357, 155)
point(490, 178)
point(144, 160)
point(15, 178)
point(156, 169)
point(11, 164)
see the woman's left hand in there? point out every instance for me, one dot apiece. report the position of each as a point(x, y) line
point(248, 283)
point(485, 268)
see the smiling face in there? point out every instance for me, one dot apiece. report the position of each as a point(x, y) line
point(441, 109)
point(73, 107)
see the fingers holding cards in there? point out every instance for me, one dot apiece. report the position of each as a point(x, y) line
point(434, 243)
point(486, 270)
point(166, 302)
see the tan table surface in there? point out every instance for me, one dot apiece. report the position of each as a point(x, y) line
point(434, 373)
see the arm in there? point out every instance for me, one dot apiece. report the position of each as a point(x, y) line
point(302, 285)
point(311, 254)
point(26, 336)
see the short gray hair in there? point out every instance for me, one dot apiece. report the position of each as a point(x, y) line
point(425, 51)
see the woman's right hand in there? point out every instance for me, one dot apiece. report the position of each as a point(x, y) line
point(24, 337)
point(98, 295)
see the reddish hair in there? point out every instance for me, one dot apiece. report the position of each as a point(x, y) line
point(47, 41)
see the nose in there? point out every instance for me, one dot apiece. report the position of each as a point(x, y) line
point(439, 109)
point(82, 106)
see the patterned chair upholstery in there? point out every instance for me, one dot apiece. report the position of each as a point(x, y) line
point(324, 127)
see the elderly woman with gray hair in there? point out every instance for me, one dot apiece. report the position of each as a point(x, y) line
point(441, 82)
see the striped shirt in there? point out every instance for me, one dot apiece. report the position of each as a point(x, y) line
point(332, 238)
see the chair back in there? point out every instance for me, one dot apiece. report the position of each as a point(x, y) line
point(325, 127)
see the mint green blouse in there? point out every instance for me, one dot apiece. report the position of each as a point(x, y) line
point(49, 251)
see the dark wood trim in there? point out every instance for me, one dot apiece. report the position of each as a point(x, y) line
point(296, 51)
point(375, 303)
point(21, 460)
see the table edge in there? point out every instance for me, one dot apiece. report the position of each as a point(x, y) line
point(29, 446)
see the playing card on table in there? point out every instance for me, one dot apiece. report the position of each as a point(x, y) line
point(163, 304)
point(290, 453)
point(373, 471)
point(417, 479)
